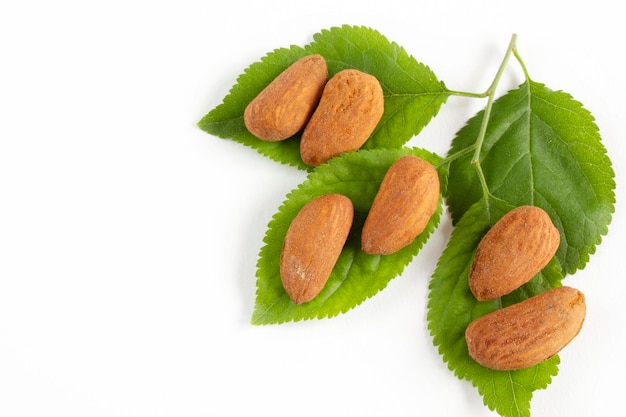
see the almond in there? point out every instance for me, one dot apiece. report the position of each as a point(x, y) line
point(405, 202)
point(284, 107)
point(512, 252)
point(313, 244)
point(350, 108)
point(529, 332)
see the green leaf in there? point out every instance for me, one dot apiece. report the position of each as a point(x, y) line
point(452, 306)
point(356, 276)
point(541, 148)
point(412, 93)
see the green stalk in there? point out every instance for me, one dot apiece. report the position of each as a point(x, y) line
point(491, 93)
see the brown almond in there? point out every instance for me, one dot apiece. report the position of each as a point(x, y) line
point(313, 244)
point(529, 332)
point(405, 202)
point(350, 108)
point(512, 252)
point(284, 107)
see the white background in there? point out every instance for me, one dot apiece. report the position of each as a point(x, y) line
point(129, 237)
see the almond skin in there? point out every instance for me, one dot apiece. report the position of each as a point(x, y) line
point(512, 252)
point(405, 202)
point(313, 244)
point(284, 107)
point(529, 332)
point(350, 108)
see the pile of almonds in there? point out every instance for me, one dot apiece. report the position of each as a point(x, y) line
point(335, 116)
point(405, 202)
point(521, 335)
point(339, 115)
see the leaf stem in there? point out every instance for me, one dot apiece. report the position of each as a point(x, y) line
point(458, 154)
point(490, 94)
point(467, 94)
point(521, 62)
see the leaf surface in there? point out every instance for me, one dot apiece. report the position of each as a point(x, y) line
point(412, 93)
point(357, 275)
